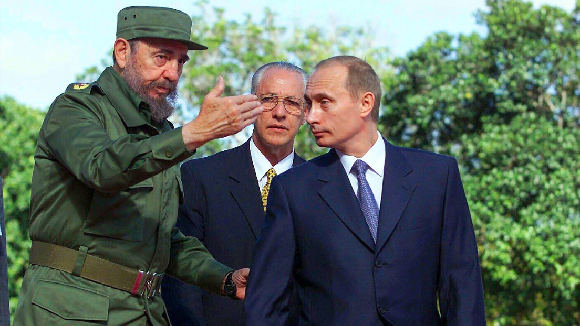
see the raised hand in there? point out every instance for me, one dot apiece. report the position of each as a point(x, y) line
point(220, 116)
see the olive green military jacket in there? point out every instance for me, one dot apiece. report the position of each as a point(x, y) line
point(106, 177)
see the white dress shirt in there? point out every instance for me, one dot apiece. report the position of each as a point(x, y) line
point(375, 159)
point(262, 165)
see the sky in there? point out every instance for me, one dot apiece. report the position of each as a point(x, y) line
point(44, 44)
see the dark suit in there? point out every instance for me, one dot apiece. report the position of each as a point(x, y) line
point(315, 232)
point(223, 209)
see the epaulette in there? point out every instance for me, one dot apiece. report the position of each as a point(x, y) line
point(81, 87)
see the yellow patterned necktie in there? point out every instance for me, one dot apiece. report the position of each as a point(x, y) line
point(270, 174)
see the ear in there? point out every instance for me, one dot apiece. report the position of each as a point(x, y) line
point(305, 113)
point(367, 102)
point(122, 52)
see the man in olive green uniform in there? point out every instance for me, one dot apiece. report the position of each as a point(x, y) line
point(106, 185)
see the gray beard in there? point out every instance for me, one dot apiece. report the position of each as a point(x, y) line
point(162, 107)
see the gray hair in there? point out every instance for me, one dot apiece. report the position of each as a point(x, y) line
point(257, 78)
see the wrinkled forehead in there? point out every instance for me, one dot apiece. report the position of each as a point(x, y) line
point(281, 82)
point(174, 46)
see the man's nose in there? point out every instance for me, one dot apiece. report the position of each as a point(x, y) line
point(312, 115)
point(279, 110)
point(172, 73)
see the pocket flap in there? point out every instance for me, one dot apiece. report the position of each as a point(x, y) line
point(71, 302)
point(147, 183)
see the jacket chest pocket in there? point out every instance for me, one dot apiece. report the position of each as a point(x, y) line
point(121, 215)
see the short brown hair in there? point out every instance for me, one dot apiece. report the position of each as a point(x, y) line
point(361, 78)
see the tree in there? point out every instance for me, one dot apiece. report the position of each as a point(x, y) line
point(524, 194)
point(451, 86)
point(507, 104)
point(18, 138)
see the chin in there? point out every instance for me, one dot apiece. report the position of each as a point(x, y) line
point(276, 142)
point(276, 137)
point(324, 142)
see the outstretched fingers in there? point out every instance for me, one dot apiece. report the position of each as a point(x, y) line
point(241, 99)
point(218, 89)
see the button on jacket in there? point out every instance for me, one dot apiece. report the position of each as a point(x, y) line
point(107, 177)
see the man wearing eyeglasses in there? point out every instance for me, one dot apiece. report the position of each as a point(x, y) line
point(226, 193)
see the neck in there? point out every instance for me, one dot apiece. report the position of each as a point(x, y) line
point(359, 145)
point(273, 154)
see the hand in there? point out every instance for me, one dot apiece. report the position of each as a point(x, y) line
point(240, 277)
point(220, 116)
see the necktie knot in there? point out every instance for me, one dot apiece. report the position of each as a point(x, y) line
point(360, 168)
point(271, 173)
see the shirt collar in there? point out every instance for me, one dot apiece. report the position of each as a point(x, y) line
point(374, 157)
point(262, 165)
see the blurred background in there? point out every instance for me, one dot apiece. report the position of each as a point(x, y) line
point(495, 84)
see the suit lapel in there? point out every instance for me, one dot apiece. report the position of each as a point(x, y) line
point(339, 196)
point(244, 188)
point(398, 186)
point(297, 160)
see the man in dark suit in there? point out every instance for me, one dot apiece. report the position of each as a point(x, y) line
point(225, 193)
point(370, 233)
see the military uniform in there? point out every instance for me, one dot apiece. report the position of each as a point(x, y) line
point(106, 180)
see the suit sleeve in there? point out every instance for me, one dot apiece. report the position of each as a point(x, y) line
point(270, 282)
point(184, 301)
point(460, 284)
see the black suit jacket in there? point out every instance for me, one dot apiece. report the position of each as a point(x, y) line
point(315, 233)
point(223, 209)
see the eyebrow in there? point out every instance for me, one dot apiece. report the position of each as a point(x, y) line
point(318, 95)
point(281, 96)
point(185, 57)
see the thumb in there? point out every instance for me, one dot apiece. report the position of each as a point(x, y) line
point(245, 272)
point(218, 89)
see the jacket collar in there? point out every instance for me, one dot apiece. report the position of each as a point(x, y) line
point(131, 108)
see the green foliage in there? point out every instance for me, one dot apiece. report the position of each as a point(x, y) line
point(450, 86)
point(524, 193)
point(508, 105)
point(20, 125)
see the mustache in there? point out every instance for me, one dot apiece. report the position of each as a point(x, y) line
point(171, 86)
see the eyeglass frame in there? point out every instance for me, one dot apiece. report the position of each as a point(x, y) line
point(283, 99)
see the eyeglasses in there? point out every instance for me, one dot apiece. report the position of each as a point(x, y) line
point(292, 105)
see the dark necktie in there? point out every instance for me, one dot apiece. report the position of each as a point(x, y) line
point(366, 198)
